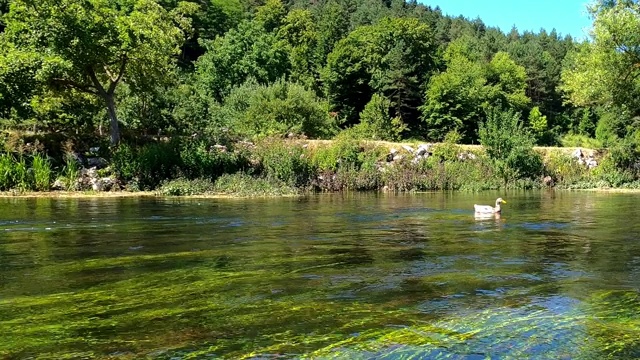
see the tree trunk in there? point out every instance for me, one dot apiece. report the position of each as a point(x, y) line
point(114, 128)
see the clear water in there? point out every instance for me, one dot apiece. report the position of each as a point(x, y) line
point(359, 276)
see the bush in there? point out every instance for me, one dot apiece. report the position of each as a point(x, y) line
point(6, 172)
point(278, 109)
point(186, 187)
point(576, 140)
point(201, 160)
point(343, 152)
point(285, 161)
point(448, 150)
point(241, 184)
point(510, 146)
point(376, 123)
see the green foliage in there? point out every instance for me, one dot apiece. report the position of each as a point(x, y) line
point(91, 46)
point(242, 184)
point(448, 150)
point(376, 123)
point(42, 172)
point(285, 162)
point(604, 70)
point(248, 52)
point(392, 57)
point(537, 121)
point(6, 172)
point(343, 152)
point(198, 159)
point(124, 162)
point(575, 140)
point(625, 154)
point(509, 145)
point(185, 187)
point(70, 172)
point(457, 98)
point(255, 110)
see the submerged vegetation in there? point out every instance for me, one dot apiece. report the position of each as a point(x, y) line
point(181, 87)
point(359, 277)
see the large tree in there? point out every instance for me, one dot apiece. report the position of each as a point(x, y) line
point(605, 72)
point(393, 57)
point(91, 46)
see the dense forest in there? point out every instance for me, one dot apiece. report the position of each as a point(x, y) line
point(131, 72)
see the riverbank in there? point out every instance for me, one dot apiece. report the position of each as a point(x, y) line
point(291, 167)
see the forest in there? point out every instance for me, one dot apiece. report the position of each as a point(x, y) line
point(203, 95)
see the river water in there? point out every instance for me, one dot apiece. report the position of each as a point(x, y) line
point(343, 276)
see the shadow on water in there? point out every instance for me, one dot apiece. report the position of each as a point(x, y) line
point(355, 276)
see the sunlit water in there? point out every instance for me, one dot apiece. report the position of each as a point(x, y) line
point(363, 276)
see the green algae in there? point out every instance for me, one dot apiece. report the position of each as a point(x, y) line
point(388, 285)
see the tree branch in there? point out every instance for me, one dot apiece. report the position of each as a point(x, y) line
point(114, 82)
point(82, 87)
point(96, 82)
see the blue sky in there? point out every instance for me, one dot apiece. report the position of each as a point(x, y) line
point(566, 16)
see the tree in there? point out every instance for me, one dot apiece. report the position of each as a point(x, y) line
point(606, 71)
point(393, 57)
point(243, 53)
point(376, 123)
point(456, 99)
point(91, 46)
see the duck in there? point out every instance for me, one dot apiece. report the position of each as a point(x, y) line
point(486, 209)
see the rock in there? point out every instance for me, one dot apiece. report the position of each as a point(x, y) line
point(220, 148)
point(393, 151)
point(424, 149)
point(591, 163)
point(97, 162)
point(398, 158)
point(577, 153)
point(90, 173)
point(408, 148)
point(548, 181)
point(466, 156)
point(58, 185)
point(102, 184)
point(79, 158)
point(94, 149)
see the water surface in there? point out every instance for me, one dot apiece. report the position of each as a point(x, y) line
point(360, 276)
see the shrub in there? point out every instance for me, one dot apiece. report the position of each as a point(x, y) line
point(577, 140)
point(278, 109)
point(448, 150)
point(186, 187)
point(376, 123)
point(241, 184)
point(344, 151)
point(124, 162)
point(285, 161)
point(70, 171)
point(199, 159)
point(510, 146)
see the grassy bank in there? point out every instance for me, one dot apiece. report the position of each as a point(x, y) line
point(286, 167)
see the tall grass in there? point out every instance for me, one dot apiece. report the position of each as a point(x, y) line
point(70, 172)
point(41, 172)
point(22, 176)
point(6, 171)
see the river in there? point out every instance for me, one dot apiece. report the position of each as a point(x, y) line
point(342, 276)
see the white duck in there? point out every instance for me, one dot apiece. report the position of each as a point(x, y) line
point(486, 209)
